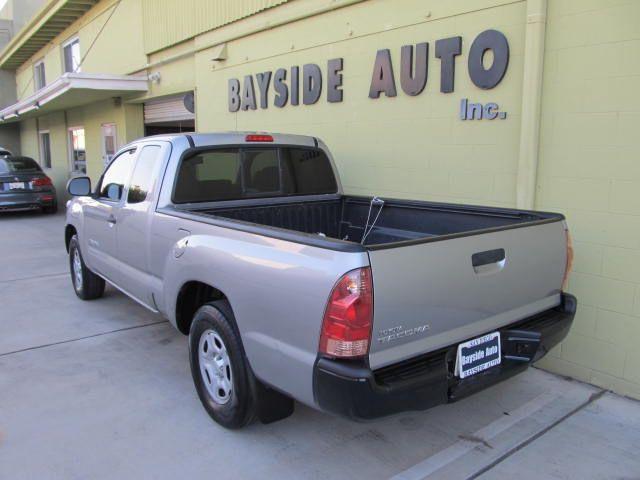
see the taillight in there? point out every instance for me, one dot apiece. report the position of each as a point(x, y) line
point(346, 327)
point(258, 138)
point(40, 182)
point(569, 264)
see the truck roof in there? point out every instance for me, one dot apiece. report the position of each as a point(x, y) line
point(238, 138)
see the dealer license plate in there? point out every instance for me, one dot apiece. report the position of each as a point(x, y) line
point(16, 186)
point(478, 355)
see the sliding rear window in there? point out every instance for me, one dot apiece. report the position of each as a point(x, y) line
point(255, 172)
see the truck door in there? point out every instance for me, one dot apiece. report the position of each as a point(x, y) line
point(134, 222)
point(100, 217)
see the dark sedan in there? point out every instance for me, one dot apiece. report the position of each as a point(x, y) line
point(24, 186)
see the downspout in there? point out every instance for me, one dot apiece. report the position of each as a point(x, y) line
point(531, 104)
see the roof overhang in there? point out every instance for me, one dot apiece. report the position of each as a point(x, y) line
point(50, 21)
point(74, 90)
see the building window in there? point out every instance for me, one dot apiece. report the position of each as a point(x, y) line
point(45, 150)
point(71, 55)
point(38, 75)
point(77, 149)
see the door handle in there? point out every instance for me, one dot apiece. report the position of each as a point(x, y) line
point(489, 261)
point(112, 220)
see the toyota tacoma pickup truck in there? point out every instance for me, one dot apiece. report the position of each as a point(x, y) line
point(290, 289)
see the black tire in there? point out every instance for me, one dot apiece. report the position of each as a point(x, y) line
point(92, 286)
point(239, 407)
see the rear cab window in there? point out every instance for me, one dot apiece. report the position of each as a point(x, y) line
point(253, 172)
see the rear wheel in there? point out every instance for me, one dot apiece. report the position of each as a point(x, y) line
point(221, 373)
point(86, 284)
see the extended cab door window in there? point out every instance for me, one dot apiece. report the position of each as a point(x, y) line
point(114, 179)
point(144, 174)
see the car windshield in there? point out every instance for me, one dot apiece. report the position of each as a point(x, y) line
point(18, 165)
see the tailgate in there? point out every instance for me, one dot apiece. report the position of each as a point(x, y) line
point(430, 295)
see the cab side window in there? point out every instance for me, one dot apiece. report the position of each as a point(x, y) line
point(144, 174)
point(115, 178)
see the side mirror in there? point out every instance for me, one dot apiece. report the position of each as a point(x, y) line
point(79, 186)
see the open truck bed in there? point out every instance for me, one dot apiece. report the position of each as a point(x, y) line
point(400, 223)
point(493, 269)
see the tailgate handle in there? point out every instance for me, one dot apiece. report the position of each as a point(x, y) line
point(489, 261)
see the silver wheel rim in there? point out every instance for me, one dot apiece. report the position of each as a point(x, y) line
point(77, 270)
point(215, 367)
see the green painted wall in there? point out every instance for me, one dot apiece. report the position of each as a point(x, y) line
point(590, 170)
point(413, 147)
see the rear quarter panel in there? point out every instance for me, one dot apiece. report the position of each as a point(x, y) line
point(277, 289)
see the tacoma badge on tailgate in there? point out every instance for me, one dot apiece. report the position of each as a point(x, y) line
point(394, 333)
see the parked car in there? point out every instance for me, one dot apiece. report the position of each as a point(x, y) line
point(24, 186)
point(290, 289)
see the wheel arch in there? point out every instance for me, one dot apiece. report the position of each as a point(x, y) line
point(69, 232)
point(191, 296)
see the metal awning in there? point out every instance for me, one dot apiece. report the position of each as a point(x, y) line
point(52, 19)
point(74, 90)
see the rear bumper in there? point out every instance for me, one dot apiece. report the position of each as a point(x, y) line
point(27, 200)
point(351, 389)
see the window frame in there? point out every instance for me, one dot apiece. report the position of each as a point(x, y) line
point(39, 63)
point(69, 43)
point(125, 190)
point(43, 165)
point(192, 152)
point(153, 186)
point(72, 161)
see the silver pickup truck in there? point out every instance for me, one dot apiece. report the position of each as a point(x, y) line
point(290, 289)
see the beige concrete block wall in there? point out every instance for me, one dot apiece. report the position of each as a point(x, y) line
point(411, 147)
point(590, 170)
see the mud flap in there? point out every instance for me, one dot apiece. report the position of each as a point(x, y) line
point(272, 405)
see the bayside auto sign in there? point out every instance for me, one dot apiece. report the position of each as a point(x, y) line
point(293, 85)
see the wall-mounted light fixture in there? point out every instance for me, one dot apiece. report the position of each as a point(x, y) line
point(155, 77)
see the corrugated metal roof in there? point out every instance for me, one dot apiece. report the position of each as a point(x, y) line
point(52, 19)
point(167, 22)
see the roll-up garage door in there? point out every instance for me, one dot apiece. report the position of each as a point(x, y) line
point(168, 109)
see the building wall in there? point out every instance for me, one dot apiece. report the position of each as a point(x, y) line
point(129, 126)
point(589, 169)
point(20, 11)
point(412, 147)
point(7, 82)
point(118, 49)
point(168, 22)
point(10, 137)
point(55, 124)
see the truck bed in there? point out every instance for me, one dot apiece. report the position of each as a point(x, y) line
point(400, 221)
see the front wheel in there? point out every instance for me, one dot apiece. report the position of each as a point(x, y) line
point(86, 284)
point(220, 371)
